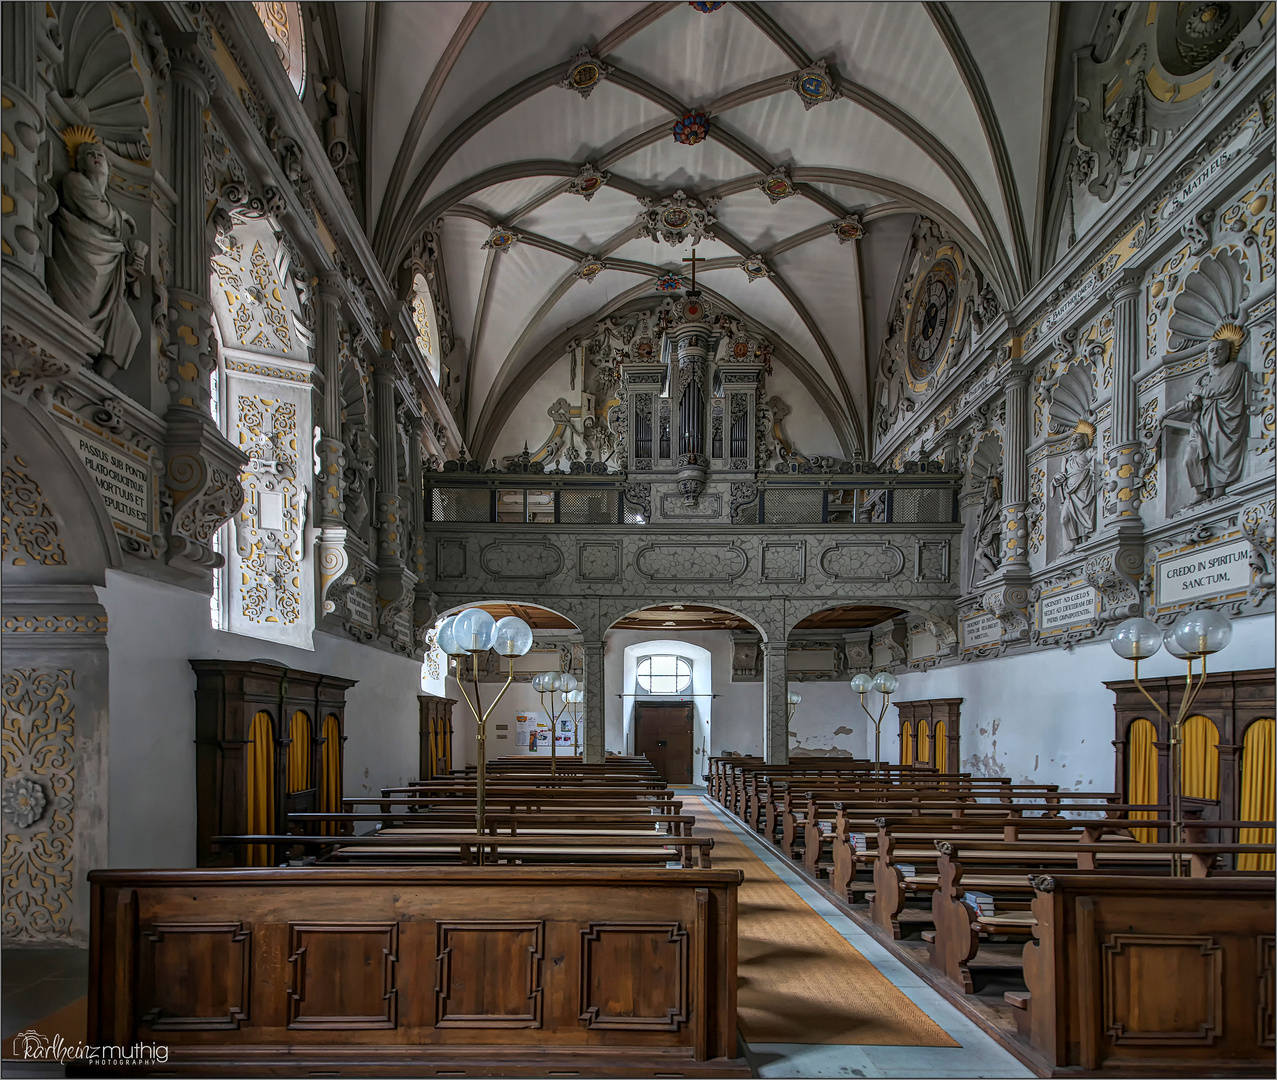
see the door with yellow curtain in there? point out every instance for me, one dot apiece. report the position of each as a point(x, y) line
point(1141, 774)
point(1257, 801)
point(261, 786)
point(330, 771)
point(906, 743)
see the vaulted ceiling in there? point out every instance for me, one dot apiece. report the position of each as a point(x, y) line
point(460, 119)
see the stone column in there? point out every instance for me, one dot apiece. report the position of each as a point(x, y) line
point(595, 744)
point(202, 469)
point(27, 51)
point(775, 703)
point(386, 471)
point(1015, 471)
point(1126, 456)
point(333, 560)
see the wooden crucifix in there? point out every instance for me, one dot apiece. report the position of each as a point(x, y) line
point(692, 260)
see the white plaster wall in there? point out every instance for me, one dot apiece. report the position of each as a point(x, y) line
point(520, 699)
point(829, 722)
point(807, 427)
point(1047, 716)
point(155, 630)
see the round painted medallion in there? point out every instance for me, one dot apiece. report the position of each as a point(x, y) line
point(778, 188)
point(584, 75)
point(669, 283)
point(589, 184)
point(813, 86)
point(676, 218)
point(691, 128)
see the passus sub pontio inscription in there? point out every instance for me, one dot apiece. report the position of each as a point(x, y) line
point(125, 485)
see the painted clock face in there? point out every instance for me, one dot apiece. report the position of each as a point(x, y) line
point(932, 321)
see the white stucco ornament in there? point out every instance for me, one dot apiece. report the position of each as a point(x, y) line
point(23, 802)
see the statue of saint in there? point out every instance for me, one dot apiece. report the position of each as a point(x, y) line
point(93, 264)
point(988, 536)
point(1075, 486)
point(1218, 415)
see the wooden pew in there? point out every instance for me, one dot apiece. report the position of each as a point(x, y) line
point(1152, 975)
point(602, 820)
point(462, 970)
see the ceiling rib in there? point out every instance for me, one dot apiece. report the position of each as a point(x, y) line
point(372, 26)
point(443, 68)
point(947, 27)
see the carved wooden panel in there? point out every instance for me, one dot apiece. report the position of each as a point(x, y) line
point(342, 975)
point(489, 974)
point(1267, 1012)
point(169, 999)
point(634, 976)
point(1163, 989)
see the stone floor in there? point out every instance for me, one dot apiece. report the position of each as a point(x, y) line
point(37, 981)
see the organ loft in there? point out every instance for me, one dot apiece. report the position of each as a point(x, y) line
point(637, 539)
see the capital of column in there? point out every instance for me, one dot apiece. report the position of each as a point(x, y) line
point(329, 288)
point(193, 67)
point(1124, 286)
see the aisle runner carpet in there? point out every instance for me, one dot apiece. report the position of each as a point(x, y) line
point(800, 980)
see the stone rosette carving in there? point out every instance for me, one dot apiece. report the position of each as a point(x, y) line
point(23, 801)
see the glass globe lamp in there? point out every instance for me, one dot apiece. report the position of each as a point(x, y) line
point(1202, 632)
point(1136, 639)
point(473, 629)
point(885, 682)
point(446, 639)
point(538, 683)
point(512, 636)
point(862, 683)
point(1173, 646)
point(794, 697)
point(568, 682)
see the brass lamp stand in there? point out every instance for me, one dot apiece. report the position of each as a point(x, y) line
point(552, 682)
point(474, 632)
point(886, 684)
point(1194, 636)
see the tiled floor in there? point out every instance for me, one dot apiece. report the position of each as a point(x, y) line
point(38, 981)
point(978, 1055)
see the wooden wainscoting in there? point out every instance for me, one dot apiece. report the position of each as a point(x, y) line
point(504, 971)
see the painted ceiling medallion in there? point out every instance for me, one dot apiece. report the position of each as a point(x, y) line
point(501, 238)
point(777, 185)
point(814, 85)
point(669, 283)
point(691, 128)
point(706, 7)
point(590, 268)
point(849, 228)
point(585, 72)
point(587, 182)
point(755, 267)
point(677, 219)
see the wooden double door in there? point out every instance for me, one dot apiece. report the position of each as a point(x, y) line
point(663, 734)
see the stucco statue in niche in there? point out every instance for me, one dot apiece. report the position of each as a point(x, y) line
point(988, 535)
point(1218, 418)
point(1074, 485)
point(94, 267)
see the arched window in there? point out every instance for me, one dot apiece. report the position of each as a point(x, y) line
point(283, 23)
point(423, 318)
point(664, 674)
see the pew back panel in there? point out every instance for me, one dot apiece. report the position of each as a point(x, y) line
point(608, 969)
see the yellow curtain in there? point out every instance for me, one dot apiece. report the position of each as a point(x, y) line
point(924, 743)
point(1257, 802)
point(432, 745)
point(261, 785)
point(1200, 758)
point(906, 743)
point(1141, 774)
point(299, 753)
point(942, 746)
point(330, 770)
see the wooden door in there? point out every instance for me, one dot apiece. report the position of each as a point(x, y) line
point(663, 734)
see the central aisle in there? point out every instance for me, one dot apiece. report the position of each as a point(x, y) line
point(818, 996)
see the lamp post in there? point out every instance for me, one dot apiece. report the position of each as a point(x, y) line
point(886, 684)
point(574, 698)
point(474, 631)
point(552, 682)
point(793, 699)
point(1196, 634)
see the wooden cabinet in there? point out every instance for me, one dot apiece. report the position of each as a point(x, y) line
point(929, 734)
point(1231, 700)
point(268, 742)
point(436, 736)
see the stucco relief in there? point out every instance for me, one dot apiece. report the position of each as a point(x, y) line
point(39, 788)
point(511, 559)
point(692, 562)
point(862, 560)
point(31, 531)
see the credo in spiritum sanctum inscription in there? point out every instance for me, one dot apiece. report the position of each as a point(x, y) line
point(1206, 572)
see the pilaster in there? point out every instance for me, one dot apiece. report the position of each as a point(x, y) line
point(1015, 471)
point(1126, 457)
point(775, 702)
point(595, 743)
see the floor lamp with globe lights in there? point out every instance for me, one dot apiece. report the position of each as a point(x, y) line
point(474, 632)
point(886, 684)
point(554, 682)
